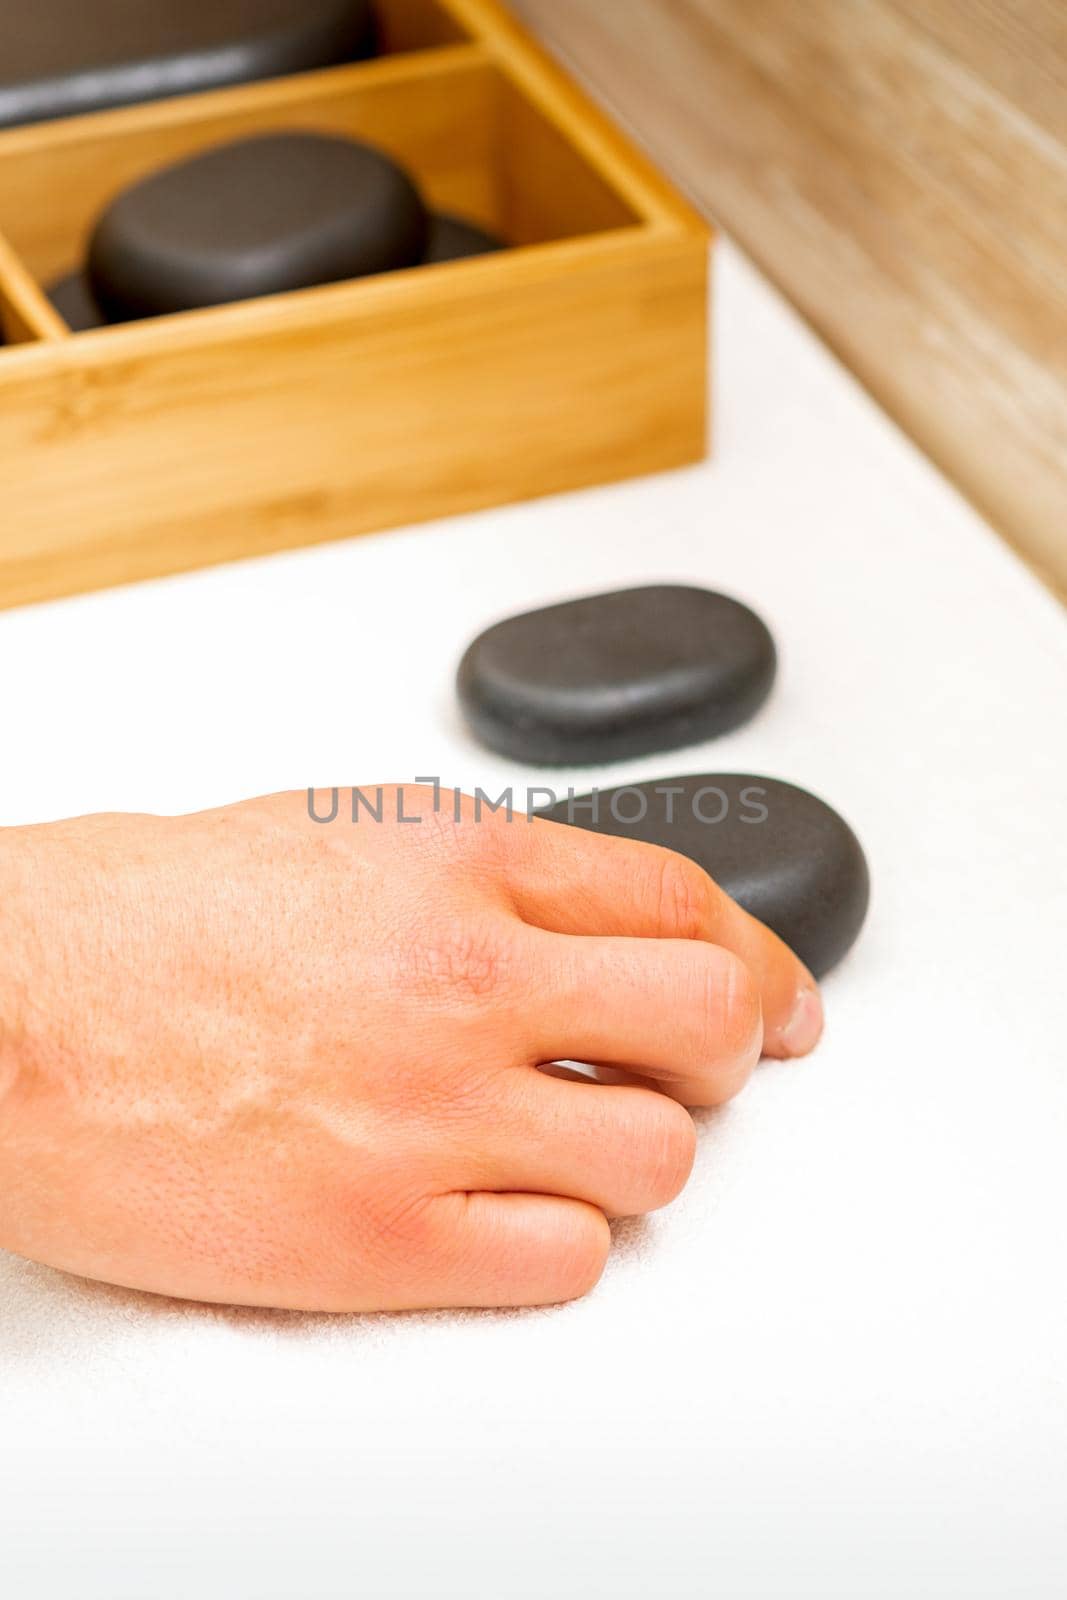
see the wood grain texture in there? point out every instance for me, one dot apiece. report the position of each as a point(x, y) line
point(133, 451)
point(349, 409)
point(899, 168)
point(1017, 48)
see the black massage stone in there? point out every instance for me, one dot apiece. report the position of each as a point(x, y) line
point(63, 57)
point(785, 856)
point(616, 675)
point(75, 302)
point(451, 239)
point(255, 217)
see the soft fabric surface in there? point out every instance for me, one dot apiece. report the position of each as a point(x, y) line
point(835, 1366)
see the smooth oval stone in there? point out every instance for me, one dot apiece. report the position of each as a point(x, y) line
point(616, 675)
point(255, 217)
point(783, 854)
point(74, 300)
point(452, 239)
point(64, 57)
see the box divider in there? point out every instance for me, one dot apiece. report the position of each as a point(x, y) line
point(26, 313)
point(274, 94)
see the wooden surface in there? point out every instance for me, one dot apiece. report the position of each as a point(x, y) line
point(899, 169)
point(135, 451)
point(349, 410)
point(25, 314)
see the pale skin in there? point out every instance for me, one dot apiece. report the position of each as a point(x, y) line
point(251, 1059)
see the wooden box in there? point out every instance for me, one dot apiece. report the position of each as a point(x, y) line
point(577, 357)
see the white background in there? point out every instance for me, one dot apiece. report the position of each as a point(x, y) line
point(836, 1366)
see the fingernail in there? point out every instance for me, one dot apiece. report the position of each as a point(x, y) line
point(804, 1028)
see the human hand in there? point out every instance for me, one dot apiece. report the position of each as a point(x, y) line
point(246, 1057)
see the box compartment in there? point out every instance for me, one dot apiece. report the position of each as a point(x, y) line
point(468, 136)
point(575, 357)
point(406, 25)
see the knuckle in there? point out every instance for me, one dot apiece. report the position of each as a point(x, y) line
point(398, 1225)
point(721, 1003)
point(469, 829)
point(684, 896)
point(444, 829)
point(739, 1008)
point(582, 1255)
point(461, 1103)
point(662, 1146)
point(671, 1152)
point(656, 1146)
point(468, 960)
point(733, 1023)
point(564, 1264)
point(370, 1231)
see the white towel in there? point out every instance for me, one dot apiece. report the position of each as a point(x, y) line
point(835, 1366)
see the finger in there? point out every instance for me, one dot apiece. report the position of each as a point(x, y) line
point(507, 1250)
point(627, 1151)
point(569, 880)
point(682, 1012)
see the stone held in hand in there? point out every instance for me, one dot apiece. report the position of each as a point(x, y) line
point(783, 854)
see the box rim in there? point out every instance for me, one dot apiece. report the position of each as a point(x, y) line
point(357, 300)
